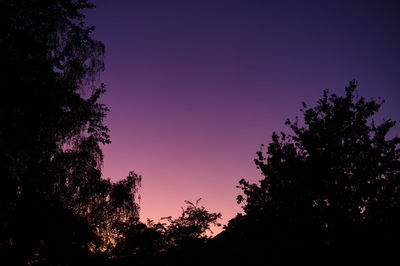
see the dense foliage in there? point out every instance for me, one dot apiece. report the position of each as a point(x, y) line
point(331, 190)
point(169, 241)
point(54, 204)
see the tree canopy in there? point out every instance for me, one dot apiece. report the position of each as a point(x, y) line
point(50, 134)
point(331, 187)
point(169, 241)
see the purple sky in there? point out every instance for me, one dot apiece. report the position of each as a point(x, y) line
point(195, 87)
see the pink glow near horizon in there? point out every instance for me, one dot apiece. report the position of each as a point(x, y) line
point(195, 88)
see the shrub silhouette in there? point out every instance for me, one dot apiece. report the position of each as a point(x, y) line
point(170, 241)
point(330, 190)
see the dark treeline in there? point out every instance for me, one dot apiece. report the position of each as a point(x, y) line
point(330, 191)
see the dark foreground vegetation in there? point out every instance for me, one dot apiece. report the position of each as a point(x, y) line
point(330, 192)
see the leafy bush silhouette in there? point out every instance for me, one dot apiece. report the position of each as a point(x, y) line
point(169, 241)
point(192, 225)
point(330, 190)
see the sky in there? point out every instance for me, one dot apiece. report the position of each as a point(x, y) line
point(195, 87)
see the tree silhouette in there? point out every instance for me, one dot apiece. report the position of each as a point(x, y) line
point(330, 190)
point(192, 225)
point(187, 235)
point(52, 196)
point(169, 241)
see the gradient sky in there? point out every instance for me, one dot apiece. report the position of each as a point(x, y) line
point(195, 87)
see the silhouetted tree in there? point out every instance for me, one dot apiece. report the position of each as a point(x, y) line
point(52, 195)
point(170, 241)
point(193, 224)
point(111, 210)
point(331, 190)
